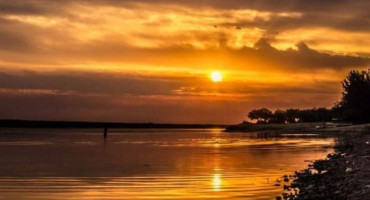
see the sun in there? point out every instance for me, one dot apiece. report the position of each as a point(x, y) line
point(216, 76)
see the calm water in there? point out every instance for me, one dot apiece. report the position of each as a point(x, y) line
point(149, 164)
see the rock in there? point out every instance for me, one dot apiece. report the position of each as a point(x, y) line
point(294, 185)
point(309, 187)
point(322, 188)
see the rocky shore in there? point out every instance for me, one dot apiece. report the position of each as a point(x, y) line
point(344, 174)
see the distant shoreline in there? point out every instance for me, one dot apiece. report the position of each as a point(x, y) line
point(293, 127)
point(315, 127)
point(6, 123)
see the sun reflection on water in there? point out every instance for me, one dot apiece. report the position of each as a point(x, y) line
point(147, 165)
point(217, 182)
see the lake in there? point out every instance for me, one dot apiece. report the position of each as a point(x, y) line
point(150, 163)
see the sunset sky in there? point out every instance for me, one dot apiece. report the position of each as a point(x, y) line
point(151, 60)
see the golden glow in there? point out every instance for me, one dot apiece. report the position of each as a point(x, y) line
point(216, 182)
point(158, 47)
point(216, 76)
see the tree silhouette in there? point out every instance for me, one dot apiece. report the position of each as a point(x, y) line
point(353, 107)
point(324, 115)
point(279, 117)
point(308, 115)
point(262, 115)
point(355, 102)
point(292, 115)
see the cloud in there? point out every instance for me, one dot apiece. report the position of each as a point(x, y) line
point(79, 33)
point(305, 58)
point(87, 83)
point(53, 26)
point(263, 55)
point(265, 5)
point(313, 6)
point(20, 7)
point(358, 22)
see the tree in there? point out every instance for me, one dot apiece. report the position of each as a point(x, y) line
point(355, 102)
point(308, 115)
point(279, 117)
point(324, 115)
point(292, 115)
point(262, 115)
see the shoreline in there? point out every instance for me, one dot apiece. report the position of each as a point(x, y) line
point(86, 124)
point(327, 128)
point(344, 174)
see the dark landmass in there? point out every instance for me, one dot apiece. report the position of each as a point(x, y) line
point(77, 124)
point(313, 127)
point(293, 127)
point(343, 175)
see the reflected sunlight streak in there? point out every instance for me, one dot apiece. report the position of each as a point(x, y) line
point(216, 182)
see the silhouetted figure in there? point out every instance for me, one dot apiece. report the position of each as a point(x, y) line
point(105, 132)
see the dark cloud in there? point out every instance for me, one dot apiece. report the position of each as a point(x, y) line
point(14, 38)
point(302, 59)
point(263, 5)
point(341, 14)
point(305, 58)
point(338, 6)
point(357, 22)
point(20, 7)
point(87, 83)
point(37, 7)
